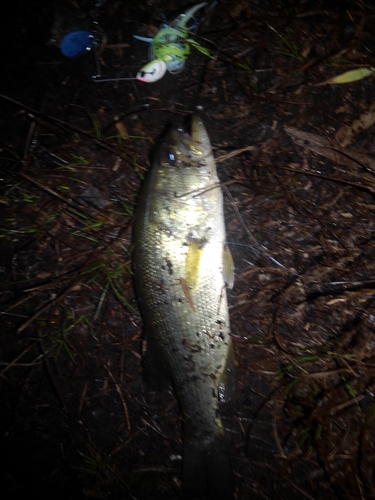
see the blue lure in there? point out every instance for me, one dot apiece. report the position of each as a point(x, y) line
point(77, 43)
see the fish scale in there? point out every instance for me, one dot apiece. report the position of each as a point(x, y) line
point(179, 269)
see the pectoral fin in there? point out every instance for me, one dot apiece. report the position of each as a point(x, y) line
point(187, 293)
point(228, 267)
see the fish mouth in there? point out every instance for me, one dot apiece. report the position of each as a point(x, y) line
point(198, 133)
point(197, 143)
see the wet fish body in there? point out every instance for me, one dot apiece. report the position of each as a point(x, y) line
point(181, 267)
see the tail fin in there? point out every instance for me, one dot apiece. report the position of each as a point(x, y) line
point(207, 471)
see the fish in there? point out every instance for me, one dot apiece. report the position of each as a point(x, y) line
point(181, 266)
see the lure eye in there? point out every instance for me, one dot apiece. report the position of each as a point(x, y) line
point(170, 157)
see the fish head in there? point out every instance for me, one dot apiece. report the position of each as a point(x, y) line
point(181, 149)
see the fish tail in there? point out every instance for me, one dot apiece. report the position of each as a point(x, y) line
point(207, 471)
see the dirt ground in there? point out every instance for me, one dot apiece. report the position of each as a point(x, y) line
point(296, 157)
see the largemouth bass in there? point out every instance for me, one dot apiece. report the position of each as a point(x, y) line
point(181, 267)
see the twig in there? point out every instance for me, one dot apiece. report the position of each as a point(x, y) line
point(346, 404)
point(64, 200)
point(231, 154)
point(333, 179)
point(276, 436)
point(45, 308)
point(155, 429)
point(86, 384)
point(13, 363)
point(126, 412)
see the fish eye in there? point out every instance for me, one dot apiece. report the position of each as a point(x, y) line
point(168, 158)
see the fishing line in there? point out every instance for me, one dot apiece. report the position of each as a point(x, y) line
point(199, 192)
point(248, 232)
point(98, 77)
point(263, 254)
point(240, 218)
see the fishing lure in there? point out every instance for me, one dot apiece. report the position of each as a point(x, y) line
point(169, 48)
point(77, 43)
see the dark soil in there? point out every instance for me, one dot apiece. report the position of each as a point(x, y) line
point(297, 160)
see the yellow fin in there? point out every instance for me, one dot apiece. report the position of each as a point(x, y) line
point(228, 267)
point(192, 263)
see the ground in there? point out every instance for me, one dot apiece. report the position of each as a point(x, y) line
point(296, 157)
